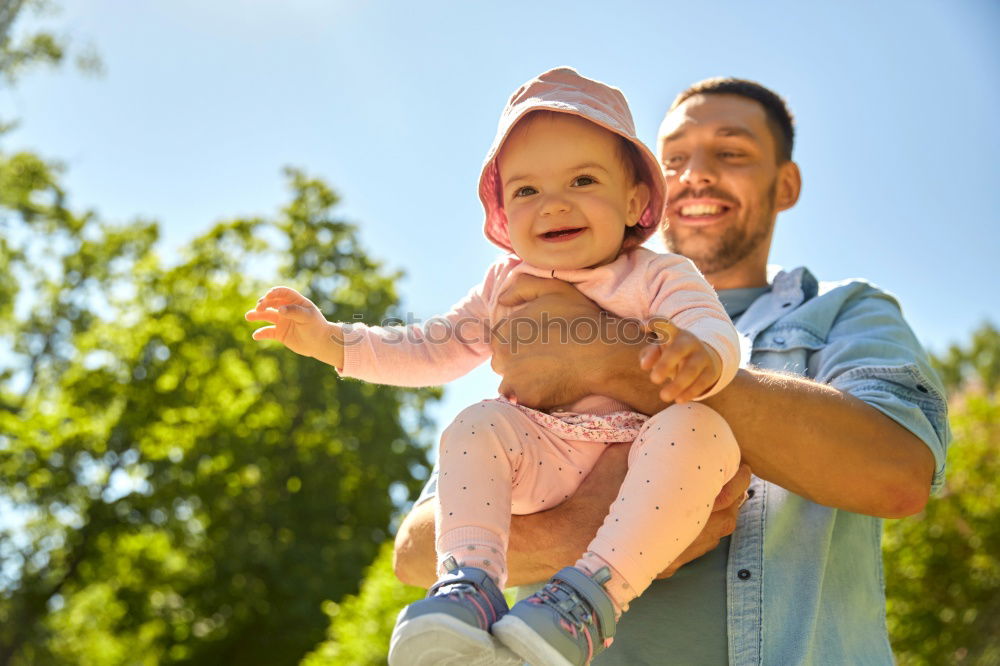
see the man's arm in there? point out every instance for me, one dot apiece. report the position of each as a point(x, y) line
point(543, 543)
point(820, 443)
point(534, 553)
point(810, 438)
point(826, 445)
point(815, 440)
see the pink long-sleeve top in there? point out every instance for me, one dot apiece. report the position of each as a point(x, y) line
point(640, 284)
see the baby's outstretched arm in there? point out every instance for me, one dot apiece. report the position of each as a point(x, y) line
point(687, 365)
point(299, 325)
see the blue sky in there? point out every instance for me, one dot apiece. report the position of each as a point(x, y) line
point(394, 104)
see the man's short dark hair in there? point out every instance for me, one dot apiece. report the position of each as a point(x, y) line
point(779, 118)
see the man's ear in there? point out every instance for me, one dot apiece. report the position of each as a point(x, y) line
point(637, 203)
point(789, 186)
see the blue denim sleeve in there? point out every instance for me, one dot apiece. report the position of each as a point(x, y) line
point(873, 354)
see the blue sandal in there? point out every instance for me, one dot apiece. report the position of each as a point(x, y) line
point(452, 624)
point(566, 623)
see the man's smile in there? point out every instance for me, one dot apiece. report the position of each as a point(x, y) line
point(699, 212)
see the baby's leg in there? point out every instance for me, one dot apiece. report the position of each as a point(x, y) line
point(677, 465)
point(493, 459)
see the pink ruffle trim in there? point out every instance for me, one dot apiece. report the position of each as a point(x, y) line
point(615, 427)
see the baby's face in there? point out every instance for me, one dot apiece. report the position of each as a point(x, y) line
point(566, 192)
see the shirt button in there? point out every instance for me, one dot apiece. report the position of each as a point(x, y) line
point(780, 341)
point(743, 574)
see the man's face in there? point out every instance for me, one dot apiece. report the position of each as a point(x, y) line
point(719, 158)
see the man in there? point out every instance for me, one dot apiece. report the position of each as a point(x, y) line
point(839, 416)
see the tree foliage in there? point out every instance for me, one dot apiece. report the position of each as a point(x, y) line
point(943, 566)
point(170, 491)
point(974, 366)
point(360, 625)
point(30, 48)
point(174, 492)
point(38, 48)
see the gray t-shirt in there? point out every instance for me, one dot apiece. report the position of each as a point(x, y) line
point(680, 620)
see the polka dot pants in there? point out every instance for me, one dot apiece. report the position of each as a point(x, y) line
point(495, 461)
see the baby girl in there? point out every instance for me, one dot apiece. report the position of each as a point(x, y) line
point(570, 193)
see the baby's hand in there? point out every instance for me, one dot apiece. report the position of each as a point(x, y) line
point(687, 365)
point(298, 323)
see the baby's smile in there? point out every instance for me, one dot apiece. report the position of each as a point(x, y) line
point(562, 234)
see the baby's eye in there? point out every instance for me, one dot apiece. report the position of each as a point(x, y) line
point(581, 181)
point(525, 191)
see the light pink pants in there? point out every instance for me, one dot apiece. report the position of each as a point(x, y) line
point(494, 461)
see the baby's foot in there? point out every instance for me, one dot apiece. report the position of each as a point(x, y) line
point(565, 623)
point(451, 626)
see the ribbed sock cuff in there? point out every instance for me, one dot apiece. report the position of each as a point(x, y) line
point(618, 589)
point(474, 547)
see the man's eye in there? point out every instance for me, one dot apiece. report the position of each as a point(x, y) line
point(673, 160)
point(581, 181)
point(729, 155)
point(525, 191)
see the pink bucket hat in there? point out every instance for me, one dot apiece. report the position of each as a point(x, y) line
point(564, 90)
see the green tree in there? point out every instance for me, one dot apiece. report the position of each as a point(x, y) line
point(975, 366)
point(175, 492)
point(170, 491)
point(41, 47)
point(21, 51)
point(943, 566)
point(360, 625)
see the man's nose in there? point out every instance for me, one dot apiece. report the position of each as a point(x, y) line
point(699, 171)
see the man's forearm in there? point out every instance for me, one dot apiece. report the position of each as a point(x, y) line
point(826, 445)
point(534, 553)
point(413, 558)
point(812, 439)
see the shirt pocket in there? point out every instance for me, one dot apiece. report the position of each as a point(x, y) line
point(785, 349)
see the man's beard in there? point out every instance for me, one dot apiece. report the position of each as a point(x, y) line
point(734, 245)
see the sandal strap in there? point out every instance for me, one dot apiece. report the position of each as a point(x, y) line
point(464, 578)
point(578, 598)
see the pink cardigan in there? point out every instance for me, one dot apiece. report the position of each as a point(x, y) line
point(640, 284)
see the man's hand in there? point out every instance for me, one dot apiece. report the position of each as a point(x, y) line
point(687, 365)
point(721, 522)
point(557, 368)
point(539, 370)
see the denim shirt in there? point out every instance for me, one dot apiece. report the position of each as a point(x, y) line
point(804, 581)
